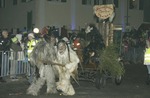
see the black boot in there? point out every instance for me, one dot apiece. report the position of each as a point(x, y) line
point(148, 79)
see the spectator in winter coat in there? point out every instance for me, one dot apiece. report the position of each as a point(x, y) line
point(5, 44)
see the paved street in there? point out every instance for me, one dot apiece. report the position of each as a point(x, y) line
point(133, 86)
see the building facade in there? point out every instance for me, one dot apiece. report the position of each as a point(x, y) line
point(75, 14)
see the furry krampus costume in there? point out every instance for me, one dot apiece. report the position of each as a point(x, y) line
point(41, 57)
point(67, 57)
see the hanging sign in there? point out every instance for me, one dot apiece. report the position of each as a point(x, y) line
point(104, 11)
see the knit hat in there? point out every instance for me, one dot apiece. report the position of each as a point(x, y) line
point(31, 34)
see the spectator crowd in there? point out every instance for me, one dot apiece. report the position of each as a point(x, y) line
point(17, 47)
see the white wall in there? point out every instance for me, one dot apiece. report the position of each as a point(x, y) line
point(15, 16)
point(72, 14)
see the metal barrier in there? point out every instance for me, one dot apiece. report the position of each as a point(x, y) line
point(13, 63)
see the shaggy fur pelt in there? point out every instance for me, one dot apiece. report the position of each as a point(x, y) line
point(70, 61)
point(42, 53)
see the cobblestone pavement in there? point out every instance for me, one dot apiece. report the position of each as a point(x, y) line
point(132, 86)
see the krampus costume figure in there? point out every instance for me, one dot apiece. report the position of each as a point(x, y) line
point(67, 57)
point(42, 56)
point(94, 37)
point(61, 62)
point(95, 41)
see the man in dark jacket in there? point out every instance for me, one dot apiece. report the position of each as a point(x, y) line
point(5, 43)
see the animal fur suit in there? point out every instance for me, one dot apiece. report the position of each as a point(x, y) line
point(41, 56)
point(70, 61)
